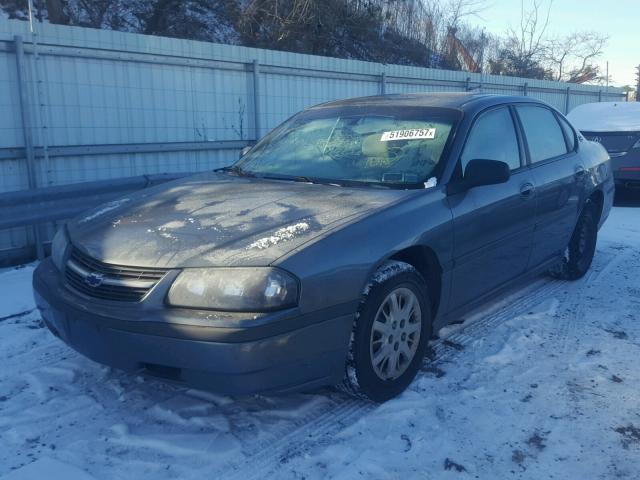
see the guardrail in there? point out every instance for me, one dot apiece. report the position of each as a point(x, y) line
point(33, 207)
point(43, 205)
point(15, 153)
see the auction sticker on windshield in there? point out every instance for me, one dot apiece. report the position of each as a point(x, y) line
point(411, 134)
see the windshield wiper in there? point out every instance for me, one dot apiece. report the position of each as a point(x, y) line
point(290, 178)
point(235, 169)
point(334, 182)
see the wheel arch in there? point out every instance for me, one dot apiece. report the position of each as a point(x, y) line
point(425, 260)
point(597, 200)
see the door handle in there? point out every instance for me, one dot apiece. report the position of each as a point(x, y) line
point(527, 190)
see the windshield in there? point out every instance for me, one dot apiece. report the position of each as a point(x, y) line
point(385, 145)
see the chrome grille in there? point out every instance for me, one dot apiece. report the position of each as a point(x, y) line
point(117, 282)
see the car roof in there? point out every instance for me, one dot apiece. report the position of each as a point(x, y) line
point(460, 101)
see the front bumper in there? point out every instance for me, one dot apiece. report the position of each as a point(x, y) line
point(285, 351)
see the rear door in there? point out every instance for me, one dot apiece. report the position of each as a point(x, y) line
point(559, 176)
point(493, 224)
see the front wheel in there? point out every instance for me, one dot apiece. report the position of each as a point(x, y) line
point(390, 335)
point(579, 253)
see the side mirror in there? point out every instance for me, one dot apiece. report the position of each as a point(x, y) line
point(244, 151)
point(485, 172)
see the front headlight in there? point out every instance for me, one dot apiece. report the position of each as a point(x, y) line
point(59, 247)
point(236, 289)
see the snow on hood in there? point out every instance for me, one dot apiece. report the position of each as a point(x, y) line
point(281, 235)
point(606, 117)
point(216, 219)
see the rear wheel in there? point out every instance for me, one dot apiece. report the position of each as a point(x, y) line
point(390, 334)
point(579, 253)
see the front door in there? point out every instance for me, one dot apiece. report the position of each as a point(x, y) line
point(493, 224)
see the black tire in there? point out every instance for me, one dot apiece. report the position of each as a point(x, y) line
point(582, 246)
point(392, 280)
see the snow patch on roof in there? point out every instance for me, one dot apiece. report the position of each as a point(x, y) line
point(606, 117)
point(280, 235)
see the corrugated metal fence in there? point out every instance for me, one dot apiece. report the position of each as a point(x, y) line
point(87, 105)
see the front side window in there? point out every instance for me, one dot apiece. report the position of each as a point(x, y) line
point(493, 137)
point(373, 144)
point(542, 131)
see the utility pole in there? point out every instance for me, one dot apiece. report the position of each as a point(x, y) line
point(638, 84)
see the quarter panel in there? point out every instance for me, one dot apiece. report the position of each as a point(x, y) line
point(600, 174)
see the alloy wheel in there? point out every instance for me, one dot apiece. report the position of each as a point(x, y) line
point(395, 333)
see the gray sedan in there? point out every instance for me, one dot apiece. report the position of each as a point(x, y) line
point(332, 251)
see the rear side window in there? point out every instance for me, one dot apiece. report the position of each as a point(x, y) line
point(493, 137)
point(569, 133)
point(543, 133)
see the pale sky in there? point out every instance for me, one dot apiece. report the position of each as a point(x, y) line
point(620, 19)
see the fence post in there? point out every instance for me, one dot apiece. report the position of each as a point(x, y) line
point(468, 84)
point(26, 131)
point(566, 100)
point(256, 99)
point(383, 83)
point(600, 95)
point(525, 89)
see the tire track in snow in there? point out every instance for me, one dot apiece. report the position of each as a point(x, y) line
point(50, 353)
point(265, 459)
point(605, 261)
point(469, 332)
point(313, 431)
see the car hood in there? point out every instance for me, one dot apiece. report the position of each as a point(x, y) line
point(218, 219)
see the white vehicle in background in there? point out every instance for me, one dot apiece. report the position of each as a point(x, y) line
point(616, 125)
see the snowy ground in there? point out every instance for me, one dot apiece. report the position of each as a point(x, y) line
point(542, 385)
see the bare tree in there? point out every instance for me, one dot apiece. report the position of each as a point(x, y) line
point(571, 58)
point(275, 20)
point(56, 11)
point(443, 24)
point(529, 52)
point(527, 42)
point(459, 10)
